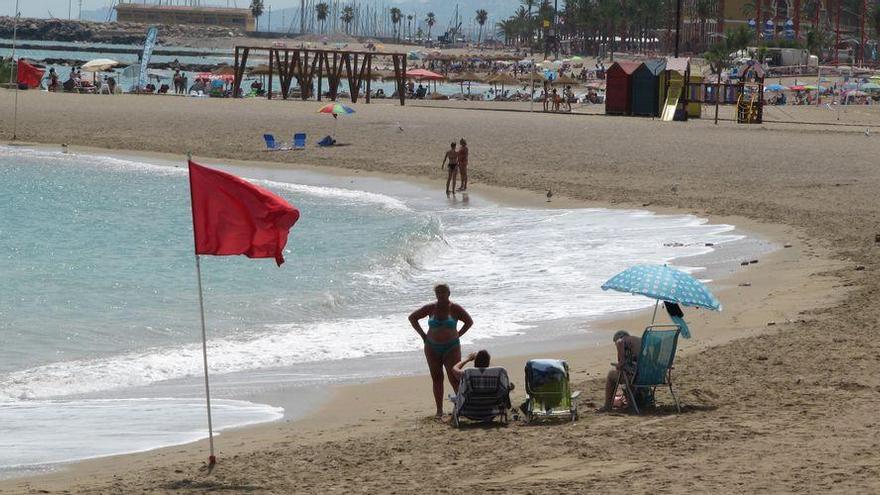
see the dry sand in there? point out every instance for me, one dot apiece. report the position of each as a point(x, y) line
point(788, 407)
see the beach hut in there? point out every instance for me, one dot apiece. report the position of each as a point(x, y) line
point(646, 88)
point(673, 80)
point(618, 80)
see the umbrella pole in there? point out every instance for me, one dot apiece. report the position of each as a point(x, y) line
point(654, 317)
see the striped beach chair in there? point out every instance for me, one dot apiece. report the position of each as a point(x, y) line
point(483, 395)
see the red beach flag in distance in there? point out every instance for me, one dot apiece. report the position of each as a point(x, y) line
point(232, 216)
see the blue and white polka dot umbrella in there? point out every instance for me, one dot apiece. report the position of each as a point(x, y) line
point(664, 283)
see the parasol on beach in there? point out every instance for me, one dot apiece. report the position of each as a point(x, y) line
point(336, 109)
point(664, 283)
point(223, 70)
point(774, 87)
point(503, 79)
point(423, 75)
point(565, 81)
point(100, 65)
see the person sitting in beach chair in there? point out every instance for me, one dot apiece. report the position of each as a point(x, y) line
point(483, 391)
point(651, 368)
point(628, 348)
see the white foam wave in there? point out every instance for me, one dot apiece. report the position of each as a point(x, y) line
point(48, 432)
point(114, 163)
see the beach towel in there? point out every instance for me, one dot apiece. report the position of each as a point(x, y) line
point(677, 317)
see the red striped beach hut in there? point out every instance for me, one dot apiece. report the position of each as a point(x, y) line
point(618, 87)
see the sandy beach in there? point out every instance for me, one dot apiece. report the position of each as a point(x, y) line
point(779, 390)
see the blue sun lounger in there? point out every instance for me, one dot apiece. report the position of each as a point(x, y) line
point(653, 368)
point(271, 144)
point(299, 141)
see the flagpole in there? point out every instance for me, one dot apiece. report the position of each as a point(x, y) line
point(211, 459)
point(14, 36)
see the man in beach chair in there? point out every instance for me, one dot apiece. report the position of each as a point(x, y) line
point(652, 367)
point(483, 391)
point(271, 144)
point(299, 141)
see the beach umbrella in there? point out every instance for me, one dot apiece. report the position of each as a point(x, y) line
point(565, 81)
point(774, 87)
point(664, 283)
point(797, 87)
point(223, 70)
point(423, 74)
point(335, 109)
point(869, 86)
point(100, 65)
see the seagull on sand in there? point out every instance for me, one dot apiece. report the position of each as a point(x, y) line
point(549, 194)
point(867, 131)
point(399, 127)
point(675, 188)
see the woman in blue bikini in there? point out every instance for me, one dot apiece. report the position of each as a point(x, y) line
point(442, 347)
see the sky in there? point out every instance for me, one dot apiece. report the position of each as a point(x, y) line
point(443, 8)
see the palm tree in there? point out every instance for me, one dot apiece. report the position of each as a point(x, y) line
point(431, 19)
point(346, 17)
point(322, 9)
point(703, 9)
point(409, 19)
point(396, 15)
point(527, 26)
point(482, 17)
point(507, 28)
point(257, 10)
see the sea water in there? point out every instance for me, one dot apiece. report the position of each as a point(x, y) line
point(99, 320)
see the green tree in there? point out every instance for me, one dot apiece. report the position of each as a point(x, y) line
point(409, 21)
point(322, 10)
point(346, 17)
point(430, 20)
point(396, 16)
point(482, 17)
point(257, 10)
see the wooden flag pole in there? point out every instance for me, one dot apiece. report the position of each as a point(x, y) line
point(211, 458)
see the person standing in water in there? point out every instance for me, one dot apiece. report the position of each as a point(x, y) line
point(450, 160)
point(442, 345)
point(463, 163)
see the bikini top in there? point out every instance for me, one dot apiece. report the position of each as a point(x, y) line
point(448, 322)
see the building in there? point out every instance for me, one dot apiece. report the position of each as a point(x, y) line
point(784, 21)
point(172, 14)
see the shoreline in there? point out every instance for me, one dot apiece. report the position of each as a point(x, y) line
point(314, 416)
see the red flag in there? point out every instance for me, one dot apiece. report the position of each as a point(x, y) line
point(28, 74)
point(233, 216)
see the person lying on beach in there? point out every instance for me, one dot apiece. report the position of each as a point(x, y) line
point(628, 348)
point(442, 345)
point(450, 160)
point(480, 358)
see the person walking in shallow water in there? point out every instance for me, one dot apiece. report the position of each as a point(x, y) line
point(442, 345)
point(450, 160)
point(463, 163)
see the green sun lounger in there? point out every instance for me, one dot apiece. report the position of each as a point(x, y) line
point(549, 391)
point(653, 368)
